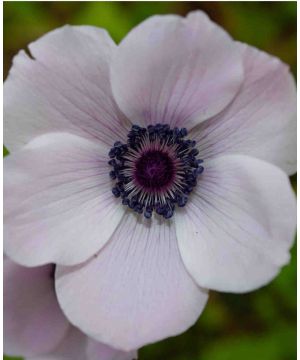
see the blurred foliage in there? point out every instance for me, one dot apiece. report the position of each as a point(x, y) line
point(261, 324)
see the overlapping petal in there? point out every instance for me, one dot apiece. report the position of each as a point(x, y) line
point(235, 233)
point(64, 86)
point(34, 325)
point(72, 346)
point(175, 70)
point(98, 351)
point(261, 121)
point(58, 205)
point(76, 346)
point(135, 291)
point(33, 322)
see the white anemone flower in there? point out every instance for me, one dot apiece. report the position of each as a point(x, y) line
point(149, 172)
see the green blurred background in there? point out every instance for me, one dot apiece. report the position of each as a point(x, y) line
point(259, 325)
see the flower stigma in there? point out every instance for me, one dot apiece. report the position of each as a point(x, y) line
point(155, 170)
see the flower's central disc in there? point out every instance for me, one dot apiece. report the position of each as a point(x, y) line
point(154, 170)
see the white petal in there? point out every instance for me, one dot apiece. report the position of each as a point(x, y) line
point(175, 70)
point(235, 233)
point(33, 322)
point(135, 291)
point(58, 205)
point(64, 87)
point(261, 121)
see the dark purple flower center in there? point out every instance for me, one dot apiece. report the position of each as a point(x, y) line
point(155, 170)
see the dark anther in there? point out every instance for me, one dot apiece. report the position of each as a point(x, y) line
point(116, 192)
point(113, 175)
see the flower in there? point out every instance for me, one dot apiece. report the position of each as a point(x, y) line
point(34, 324)
point(149, 172)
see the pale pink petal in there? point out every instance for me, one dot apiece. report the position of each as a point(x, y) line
point(76, 346)
point(64, 86)
point(72, 347)
point(135, 291)
point(175, 70)
point(99, 351)
point(58, 205)
point(33, 322)
point(261, 121)
point(236, 231)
